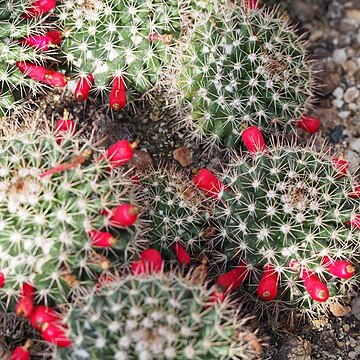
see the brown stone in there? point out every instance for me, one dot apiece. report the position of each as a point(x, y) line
point(339, 310)
point(141, 159)
point(183, 156)
point(328, 76)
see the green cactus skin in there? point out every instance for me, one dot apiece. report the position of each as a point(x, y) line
point(14, 86)
point(112, 38)
point(44, 221)
point(177, 211)
point(162, 316)
point(288, 203)
point(240, 68)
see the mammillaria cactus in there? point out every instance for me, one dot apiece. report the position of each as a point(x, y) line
point(118, 44)
point(24, 43)
point(239, 68)
point(156, 316)
point(66, 214)
point(288, 225)
point(176, 211)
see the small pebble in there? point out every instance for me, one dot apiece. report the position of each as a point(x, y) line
point(340, 55)
point(338, 103)
point(351, 94)
point(338, 92)
point(355, 307)
point(355, 145)
point(344, 114)
point(336, 134)
point(183, 156)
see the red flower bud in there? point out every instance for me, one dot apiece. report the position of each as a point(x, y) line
point(104, 280)
point(253, 140)
point(216, 297)
point(341, 165)
point(309, 124)
point(65, 126)
point(356, 192)
point(24, 307)
point(27, 291)
point(101, 239)
point(56, 36)
point(206, 181)
point(39, 73)
point(55, 334)
point(268, 284)
point(36, 72)
point(2, 280)
point(39, 7)
point(151, 261)
point(43, 314)
point(181, 254)
point(83, 87)
point(123, 215)
point(55, 79)
point(340, 268)
point(314, 286)
point(40, 42)
point(117, 98)
point(120, 153)
point(253, 4)
point(233, 278)
point(355, 222)
point(21, 352)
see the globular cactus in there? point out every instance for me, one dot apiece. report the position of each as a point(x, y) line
point(114, 45)
point(67, 213)
point(176, 211)
point(156, 316)
point(25, 40)
point(241, 67)
point(287, 224)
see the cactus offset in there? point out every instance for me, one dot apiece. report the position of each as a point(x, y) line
point(177, 212)
point(284, 226)
point(158, 316)
point(58, 198)
point(239, 68)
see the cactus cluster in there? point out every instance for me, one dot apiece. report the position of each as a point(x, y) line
point(64, 214)
point(118, 45)
point(176, 212)
point(25, 49)
point(287, 225)
point(238, 68)
point(156, 316)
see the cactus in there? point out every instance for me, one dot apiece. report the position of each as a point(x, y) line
point(239, 68)
point(177, 213)
point(287, 226)
point(65, 215)
point(118, 45)
point(24, 43)
point(156, 316)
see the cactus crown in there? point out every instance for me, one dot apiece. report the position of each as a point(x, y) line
point(289, 208)
point(239, 68)
point(111, 38)
point(52, 195)
point(160, 316)
point(176, 209)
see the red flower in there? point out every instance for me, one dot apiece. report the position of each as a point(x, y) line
point(232, 279)
point(181, 254)
point(151, 261)
point(39, 7)
point(122, 215)
point(55, 334)
point(268, 285)
point(120, 153)
point(206, 181)
point(101, 239)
